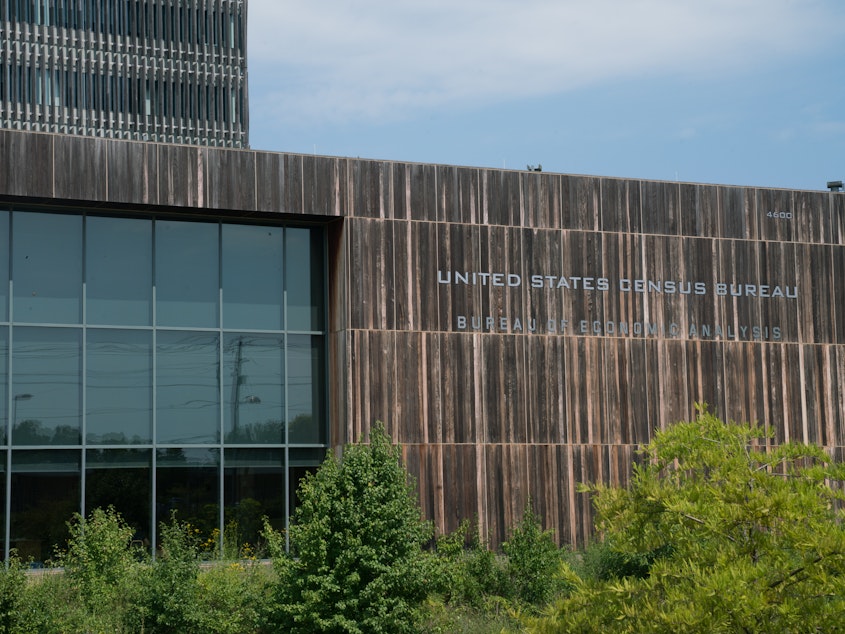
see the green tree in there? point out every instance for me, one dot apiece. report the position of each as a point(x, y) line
point(357, 539)
point(738, 535)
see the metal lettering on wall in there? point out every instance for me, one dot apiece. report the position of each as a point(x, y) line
point(526, 322)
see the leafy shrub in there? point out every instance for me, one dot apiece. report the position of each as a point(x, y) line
point(107, 586)
point(533, 560)
point(98, 559)
point(357, 536)
point(53, 605)
point(466, 571)
point(12, 588)
point(234, 598)
point(168, 599)
point(493, 618)
point(602, 562)
point(470, 574)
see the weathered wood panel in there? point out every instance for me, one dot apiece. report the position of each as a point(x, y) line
point(181, 174)
point(269, 181)
point(517, 397)
point(82, 168)
point(426, 276)
point(323, 186)
point(531, 374)
point(369, 182)
point(131, 173)
point(589, 311)
point(230, 179)
point(416, 199)
point(26, 164)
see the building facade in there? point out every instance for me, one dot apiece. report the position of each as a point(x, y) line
point(190, 329)
point(152, 70)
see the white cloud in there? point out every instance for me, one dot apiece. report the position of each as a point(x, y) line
point(341, 60)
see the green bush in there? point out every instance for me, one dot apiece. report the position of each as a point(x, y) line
point(53, 605)
point(106, 586)
point(169, 591)
point(466, 571)
point(602, 562)
point(98, 560)
point(469, 574)
point(494, 617)
point(12, 589)
point(533, 560)
point(357, 538)
point(234, 598)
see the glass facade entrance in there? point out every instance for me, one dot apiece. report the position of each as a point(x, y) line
point(157, 364)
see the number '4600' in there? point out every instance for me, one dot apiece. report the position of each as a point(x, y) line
point(780, 215)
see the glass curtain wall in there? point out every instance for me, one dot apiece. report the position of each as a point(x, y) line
point(158, 365)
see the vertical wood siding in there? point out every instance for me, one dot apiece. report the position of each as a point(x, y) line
point(491, 414)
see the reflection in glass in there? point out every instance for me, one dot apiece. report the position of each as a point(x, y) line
point(3, 508)
point(145, 382)
point(45, 495)
point(186, 273)
point(187, 387)
point(47, 268)
point(252, 277)
point(4, 355)
point(121, 478)
point(46, 391)
point(119, 396)
point(302, 462)
point(306, 395)
point(187, 482)
point(119, 269)
point(4, 265)
point(304, 265)
point(253, 389)
point(254, 487)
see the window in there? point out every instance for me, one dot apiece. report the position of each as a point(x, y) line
point(47, 268)
point(157, 364)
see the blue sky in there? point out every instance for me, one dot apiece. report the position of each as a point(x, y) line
point(743, 92)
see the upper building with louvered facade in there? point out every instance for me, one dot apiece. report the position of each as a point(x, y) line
point(172, 71)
